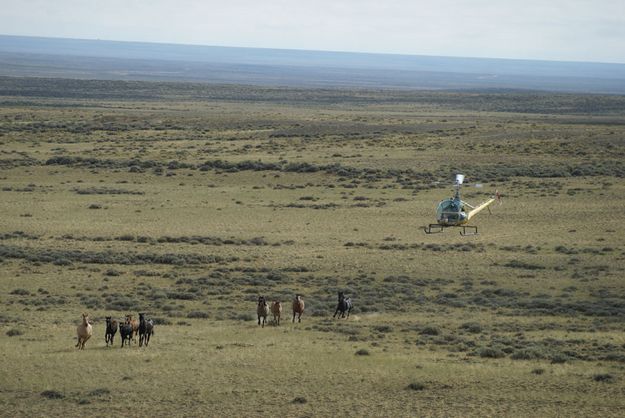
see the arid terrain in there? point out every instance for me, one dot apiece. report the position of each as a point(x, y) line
point(189, 201)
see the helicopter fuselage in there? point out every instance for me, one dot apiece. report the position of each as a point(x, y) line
point(451, 212)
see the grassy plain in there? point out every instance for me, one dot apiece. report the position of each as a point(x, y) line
point(188, 201)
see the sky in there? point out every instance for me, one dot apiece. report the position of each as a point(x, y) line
point(571, 30)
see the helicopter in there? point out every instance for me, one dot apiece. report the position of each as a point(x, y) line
point(452, 212)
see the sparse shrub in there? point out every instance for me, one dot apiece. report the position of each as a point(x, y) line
point(14, 332)
point(538, 371)
point(91, 302)
point(505, 292)
point(416, 386)
point(258, 241)
point(362, 352)
point(197, 314)
point(430, 330)
point(523, 265)
point(20, 291)
point(559, 358)
point(299, 400)
point(383, 328)
point(122, 303)
point(526, 354)
point(614, 357)
point(104, 190)
point(99, 392)
point(472, 327)
point(603, 377)
point(95, 206)
point(490, 352)
point(181, 296)
point(52, 394)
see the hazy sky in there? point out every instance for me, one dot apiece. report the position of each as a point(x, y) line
point(578, 30)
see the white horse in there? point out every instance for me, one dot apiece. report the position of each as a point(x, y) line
point(84, 331)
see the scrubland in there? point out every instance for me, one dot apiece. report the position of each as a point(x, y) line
point(188, 201)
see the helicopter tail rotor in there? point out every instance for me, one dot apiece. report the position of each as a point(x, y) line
point(459, 178)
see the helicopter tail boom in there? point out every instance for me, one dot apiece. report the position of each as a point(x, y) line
point(480, 208)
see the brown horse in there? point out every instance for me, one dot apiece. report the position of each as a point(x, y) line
point(276, 311)
point(298, 308)
point(135, 326)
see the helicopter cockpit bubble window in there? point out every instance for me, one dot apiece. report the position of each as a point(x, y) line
point(449, 211)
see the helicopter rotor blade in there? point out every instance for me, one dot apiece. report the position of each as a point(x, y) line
point(467, 204)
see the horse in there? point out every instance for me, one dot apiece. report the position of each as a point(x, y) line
point(276, 310)
point(298, 308)
point(262, 310)
point(146, 329)
point(135, 326)
point(125, 332)
point(111, 329)
point(84, 332)
point(344, 305)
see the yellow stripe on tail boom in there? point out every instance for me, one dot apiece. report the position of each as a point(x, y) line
point(479, 208)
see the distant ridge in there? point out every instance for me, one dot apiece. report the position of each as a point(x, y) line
point(97, 59)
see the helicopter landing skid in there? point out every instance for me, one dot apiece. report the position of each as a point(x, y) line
point(433, 229)
point(438, 228)
point(472, 230)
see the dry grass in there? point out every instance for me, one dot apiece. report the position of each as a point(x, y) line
point(540, 287)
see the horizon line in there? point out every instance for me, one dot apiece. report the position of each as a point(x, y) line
point(315, 50)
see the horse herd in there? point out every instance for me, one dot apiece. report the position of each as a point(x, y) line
point(343, 308)
point(130, 328)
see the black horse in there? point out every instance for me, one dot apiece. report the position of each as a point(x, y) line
point(344, 305)
point(262, 310)
point(111, 329)
point(125, 331)
point(146, 329)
